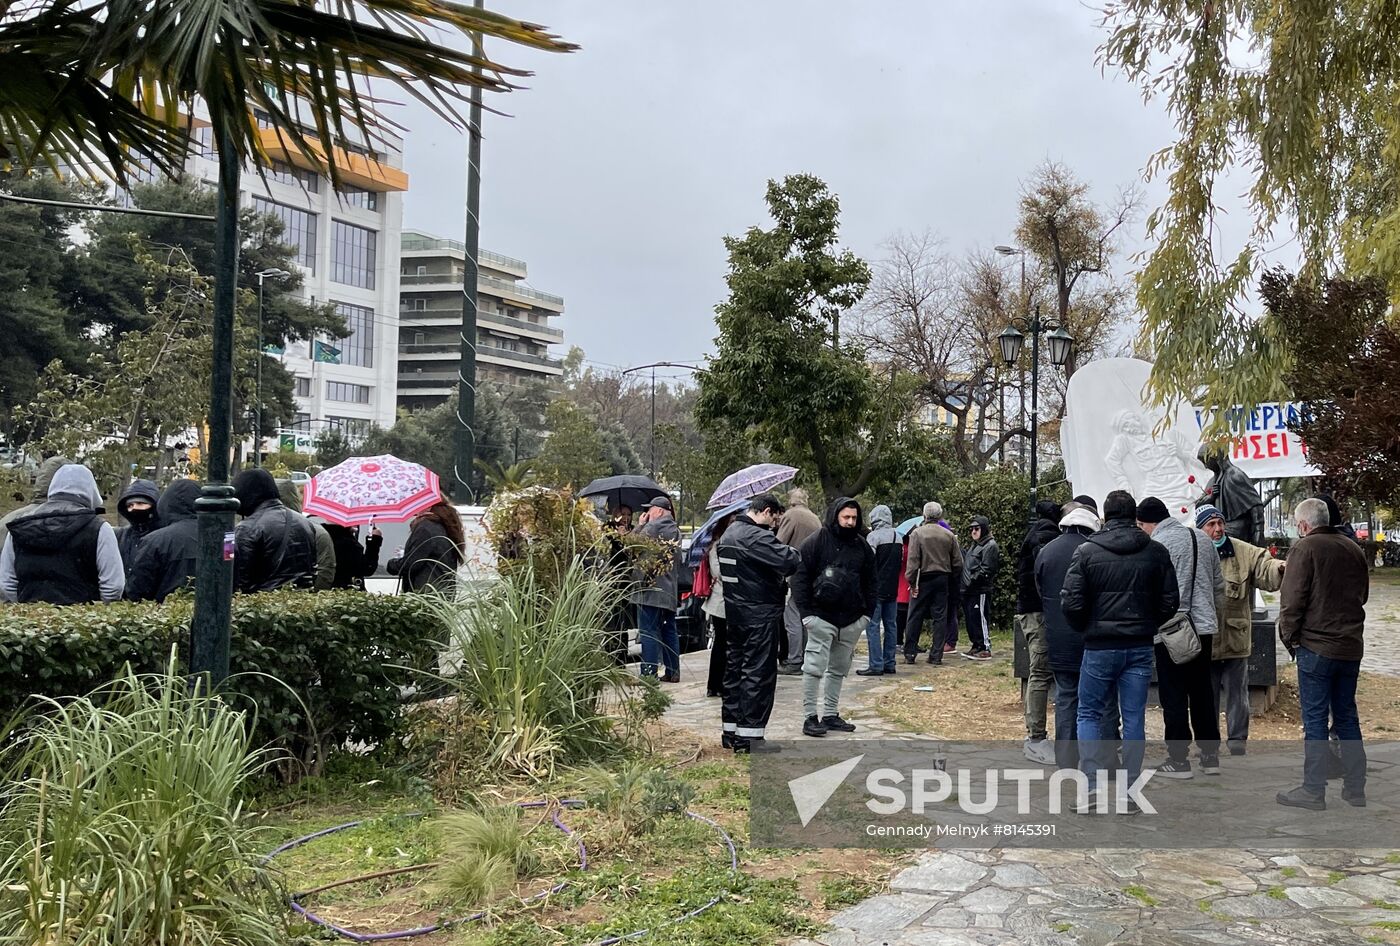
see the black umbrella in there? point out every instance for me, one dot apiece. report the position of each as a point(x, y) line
point(631, 490)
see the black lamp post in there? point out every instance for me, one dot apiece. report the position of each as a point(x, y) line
point(1011, 342)
point(258, 417)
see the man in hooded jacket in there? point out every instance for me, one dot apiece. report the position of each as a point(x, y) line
point(63, 552)
point(41, 492)
point(1064, 645)
point(1119, 589)
point(138, 506)
point(889, 561)
point(274, 546)
point(981, 562)
point(165, 563)
point(325, 546)
point(1030, 624)
point(834, 589)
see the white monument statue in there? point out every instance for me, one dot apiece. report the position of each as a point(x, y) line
point(1110, 441)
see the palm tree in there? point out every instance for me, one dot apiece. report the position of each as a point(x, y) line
point(507, 479)
point(102, 85)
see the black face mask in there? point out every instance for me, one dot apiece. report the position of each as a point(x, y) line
point(139, 517)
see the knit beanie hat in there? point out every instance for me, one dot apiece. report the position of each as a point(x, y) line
point(1152, 510)
point(1205, 514)
point(1088, 502)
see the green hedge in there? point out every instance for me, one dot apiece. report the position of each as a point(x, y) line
point(1002, 495)
point(320, 669)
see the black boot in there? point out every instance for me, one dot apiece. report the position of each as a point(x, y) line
point(726, 740)
point(813, 727)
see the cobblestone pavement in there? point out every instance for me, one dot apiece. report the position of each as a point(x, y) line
point(1034, 897)
point(1383, 625)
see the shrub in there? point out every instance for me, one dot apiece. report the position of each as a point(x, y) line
point(531, 661)
point(120, 823)
point(1002, 495)
point(319, 669)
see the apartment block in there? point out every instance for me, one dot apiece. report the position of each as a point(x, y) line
point(514, 333)
point(347, 250)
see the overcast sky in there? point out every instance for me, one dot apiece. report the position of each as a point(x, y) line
point(624, 164)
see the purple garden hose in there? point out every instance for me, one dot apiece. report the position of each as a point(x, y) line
point(583, 865)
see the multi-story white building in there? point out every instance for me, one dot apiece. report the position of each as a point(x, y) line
point(347, 248)
point(513, 330)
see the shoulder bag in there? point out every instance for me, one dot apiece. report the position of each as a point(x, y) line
point(1179, 635)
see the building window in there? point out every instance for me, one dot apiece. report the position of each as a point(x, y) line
point(359, 197)
point(302, 421)
point(354, 428)
point(422, 270)
point(284, 173)
point(302, 386)
point(352, 254)
point(203, 138)
point(418, 304)
point(349, 393)
point(357, 348)
point(298, 228)
point(262, 117)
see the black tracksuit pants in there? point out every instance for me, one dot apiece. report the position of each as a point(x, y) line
point(930, 604)
point(751, 670)
point(719, 656)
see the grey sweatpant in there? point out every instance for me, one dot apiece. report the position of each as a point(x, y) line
point(826, 662)
point(796, 636)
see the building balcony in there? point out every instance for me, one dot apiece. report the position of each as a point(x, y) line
point(503, 288)
point(438, 315)
point(415, 243)
point(437, 353)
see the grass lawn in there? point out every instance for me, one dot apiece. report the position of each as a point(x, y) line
point(633, 881)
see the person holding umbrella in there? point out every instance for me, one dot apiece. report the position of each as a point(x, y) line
point(754, 567)
point(657, 604)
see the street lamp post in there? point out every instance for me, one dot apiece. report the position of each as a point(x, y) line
point(257, 390)
point(653, 367)
point(1005, 250)
point(1011, 342)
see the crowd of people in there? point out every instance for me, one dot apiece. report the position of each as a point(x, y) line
point(1105, 599)
point(59, 549)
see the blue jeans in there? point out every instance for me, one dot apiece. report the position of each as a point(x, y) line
point(1327, 686)
point(660, 642)
point(1067, 720)
point(1129, 673)
point(882, 652)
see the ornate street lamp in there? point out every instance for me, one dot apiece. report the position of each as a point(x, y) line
point(1011, 342)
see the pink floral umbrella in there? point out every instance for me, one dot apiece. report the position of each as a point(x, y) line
point(367, 489)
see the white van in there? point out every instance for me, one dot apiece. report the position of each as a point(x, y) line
point(478, 565)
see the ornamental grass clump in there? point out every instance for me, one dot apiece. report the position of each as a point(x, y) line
point(531, 661)
point(121, 822)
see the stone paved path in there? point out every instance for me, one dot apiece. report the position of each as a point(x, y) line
point(1033, 897)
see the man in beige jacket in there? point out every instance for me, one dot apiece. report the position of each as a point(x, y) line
point(934, 554)
point(1246, 568)
point(798, 524)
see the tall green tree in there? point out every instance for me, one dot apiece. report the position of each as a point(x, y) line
point(35, 321)
point(783, 374)
point(1296, 100)
point(573, 453)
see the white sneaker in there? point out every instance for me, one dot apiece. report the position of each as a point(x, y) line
point(1040, 751)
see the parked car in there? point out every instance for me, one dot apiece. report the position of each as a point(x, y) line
point(1363, 530)
point(299, 477)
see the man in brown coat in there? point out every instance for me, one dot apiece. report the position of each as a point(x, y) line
point(1321, 619)
point(798, 524)
point(933, 556)
point(1246, 568)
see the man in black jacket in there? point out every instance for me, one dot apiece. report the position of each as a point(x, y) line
point(1030, 624)
point(981, 562)
point(138, 505)
point(835, 592)
point(1120, 588)
point(754, 567)
point(273, 546)
point(353, 563)
point(165, 563)
point(1064, 646)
